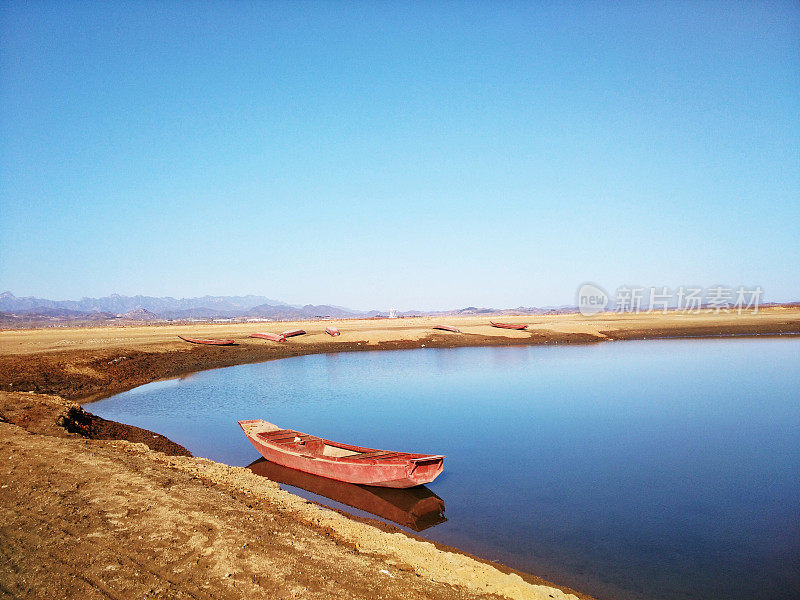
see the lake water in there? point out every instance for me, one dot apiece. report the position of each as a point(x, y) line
point(652, 469)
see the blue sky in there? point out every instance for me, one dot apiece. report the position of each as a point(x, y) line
point(398, 154)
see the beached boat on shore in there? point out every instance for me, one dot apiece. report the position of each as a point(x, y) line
point(333, 331)
point(293, 332)
point(342, 462)
point(209, 342)
point(507, 325)
point(275, 337)
point(447, 328)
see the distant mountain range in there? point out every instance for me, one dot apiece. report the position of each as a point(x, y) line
point(148, 308)
point(121, 304)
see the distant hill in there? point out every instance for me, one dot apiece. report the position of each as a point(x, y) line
point(43, 315)
point(140, 314)
point(309, 311)
point(63, 313)
point(488, 312)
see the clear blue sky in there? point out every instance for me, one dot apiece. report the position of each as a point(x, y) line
point(398, 154)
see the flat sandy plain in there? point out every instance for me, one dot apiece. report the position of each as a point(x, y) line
point(95, 509)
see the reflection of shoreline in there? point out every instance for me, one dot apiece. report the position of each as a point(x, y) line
point(417, 508)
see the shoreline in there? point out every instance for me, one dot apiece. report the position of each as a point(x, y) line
point(43, 372)
point(89, 400)
point(117, 359)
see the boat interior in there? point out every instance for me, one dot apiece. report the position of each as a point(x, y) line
point(315, 446)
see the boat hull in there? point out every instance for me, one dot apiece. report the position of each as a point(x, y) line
point(508, 326)
point(275, 337)
point(447, 328)
point(208, 342)
point(332, 331)
point(417, 469)
point(293, 332)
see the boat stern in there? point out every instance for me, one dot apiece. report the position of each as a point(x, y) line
point(426, 469)
point(419, 472)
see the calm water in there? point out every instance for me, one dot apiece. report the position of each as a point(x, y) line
point(659, 470)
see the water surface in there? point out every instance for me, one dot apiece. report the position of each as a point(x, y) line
point(653, 469)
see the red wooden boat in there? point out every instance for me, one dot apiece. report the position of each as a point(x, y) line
point(208, 342)
point(417, 507)
point(275, 337)
point(292, 332)
point(332, 331)
point(342, 462)
point(508, 325)
point(447, 328)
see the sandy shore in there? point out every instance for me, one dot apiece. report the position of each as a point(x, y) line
point(93, 508)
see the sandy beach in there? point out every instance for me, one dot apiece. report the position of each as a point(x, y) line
point(98, 509)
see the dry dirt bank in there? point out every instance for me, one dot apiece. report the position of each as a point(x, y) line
point(94, 518)
point(111, 519)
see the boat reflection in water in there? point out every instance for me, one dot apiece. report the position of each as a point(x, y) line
point(417, 507)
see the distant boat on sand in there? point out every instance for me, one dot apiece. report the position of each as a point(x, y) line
point(275, 337)
point(293, 332)
point(507, 325)
point(333, 331)
point(208, 342)
point(447, 328)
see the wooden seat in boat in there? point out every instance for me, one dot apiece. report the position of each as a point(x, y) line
point(377, 454)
